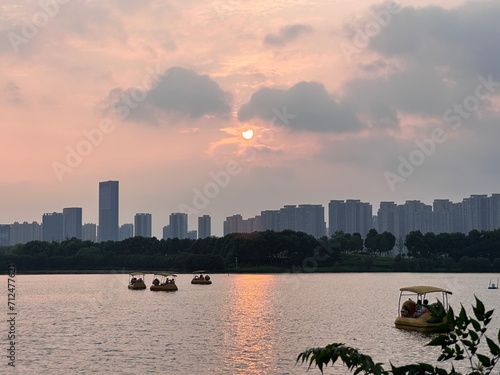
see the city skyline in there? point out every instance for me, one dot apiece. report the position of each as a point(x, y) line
point(359, 217)
point(271, 104)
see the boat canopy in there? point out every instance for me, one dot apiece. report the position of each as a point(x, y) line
point(424, 289)
point(200, 271)
point(166, 274)
point(136, 273)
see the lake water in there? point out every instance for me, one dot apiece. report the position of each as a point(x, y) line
point(241, 324)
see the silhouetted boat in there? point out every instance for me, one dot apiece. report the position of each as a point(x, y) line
point(198, 278)
point(165, 282)
point(136, 281)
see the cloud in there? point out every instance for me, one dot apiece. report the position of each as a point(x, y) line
point(304, 106)
point(287, 34)
point(433, 59)
point(177, 93)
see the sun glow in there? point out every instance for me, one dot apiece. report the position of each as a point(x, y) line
point(247, 134)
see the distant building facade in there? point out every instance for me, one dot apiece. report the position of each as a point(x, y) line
point(125, 231)
point(204, 226)
point(5, 234)
point(143, 224)
point(25, 232)
point(72, 222)
point(108, 211)
point(350, 216)
point(89, 232)
point(307, 218)
point(178, 224)
point(52, 227)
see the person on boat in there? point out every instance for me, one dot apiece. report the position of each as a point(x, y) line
point(408, 308)
point(133, 280)
point(156, 282)
point(418, 309)
point(424, 308)
point(404, 312)
point(207, 277)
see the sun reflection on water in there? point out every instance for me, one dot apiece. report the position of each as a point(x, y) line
point(248, 337)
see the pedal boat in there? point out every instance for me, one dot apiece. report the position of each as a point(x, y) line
point(198, 278)
point(406, 310)
point(163, 281)
point(136, 281)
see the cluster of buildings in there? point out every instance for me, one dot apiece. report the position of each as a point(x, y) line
point(480, 212)
point(58, 226)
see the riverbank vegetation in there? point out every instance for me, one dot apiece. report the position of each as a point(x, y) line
point(265, 252)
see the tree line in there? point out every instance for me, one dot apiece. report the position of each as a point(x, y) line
point(284, 250)
point(276, 251)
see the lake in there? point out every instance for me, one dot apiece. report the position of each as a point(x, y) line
point(241, 324)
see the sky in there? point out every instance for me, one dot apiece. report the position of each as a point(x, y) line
point(369, 100)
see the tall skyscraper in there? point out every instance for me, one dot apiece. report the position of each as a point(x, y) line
point(142, 225)
point(72, 222)
point(204, 226)
point(178, 224)
point(52, 227)
point(108, 211)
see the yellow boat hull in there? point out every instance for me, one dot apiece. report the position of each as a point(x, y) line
point(420, 324)
point(138, 285)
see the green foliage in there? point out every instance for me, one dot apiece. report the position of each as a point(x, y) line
point(461, 342)
point(351, 357)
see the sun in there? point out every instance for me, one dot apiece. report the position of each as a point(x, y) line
point(247, 134)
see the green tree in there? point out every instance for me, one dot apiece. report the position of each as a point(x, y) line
point(371, 240)
point(355, 242)
point(386, 241)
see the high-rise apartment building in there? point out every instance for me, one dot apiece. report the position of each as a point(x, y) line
point(494, 211)
point(89, 232)
point(311, 219)
point(5, 234)
point(72, 222)
point(108, 211)
point(204, 226)
point(351, 216)
point(178, 223)
point(476, 212)
point(52, 227)
point(125, 231)
point(143, 225)
point(387, 218)
point(192, 234)
point(442, 211)
point(233, 224)
point(21, 233)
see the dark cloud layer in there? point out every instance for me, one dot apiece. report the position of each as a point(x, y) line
point(178, 92)
point(304, 106)
point(287, 34)
point(440, 55)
